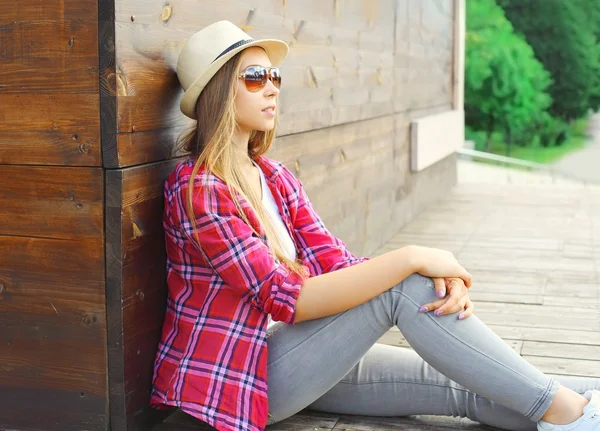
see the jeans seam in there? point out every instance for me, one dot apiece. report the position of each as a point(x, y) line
point(545, 390)
point(437, 385)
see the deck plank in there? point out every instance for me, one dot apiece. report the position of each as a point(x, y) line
point(565, 351)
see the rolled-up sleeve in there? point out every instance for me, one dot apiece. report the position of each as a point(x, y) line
point(239, 257)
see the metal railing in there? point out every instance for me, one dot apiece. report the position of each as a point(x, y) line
point(555, 173)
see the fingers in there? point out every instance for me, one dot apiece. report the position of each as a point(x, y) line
point(469, 307)
point(440, 287)
point(432, 306)
point(456, 300)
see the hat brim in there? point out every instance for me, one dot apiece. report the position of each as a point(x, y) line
point(277, 51)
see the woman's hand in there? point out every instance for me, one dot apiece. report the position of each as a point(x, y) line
point(457, 299)
point(436, 263)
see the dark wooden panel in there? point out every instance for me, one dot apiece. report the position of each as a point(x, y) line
point(136, 288)
point(49, 128)
point(60, 74)
point(51, 10)
point(53, 338)
point(49, 410)
point(51, 202)
point(108, 83)
point(24, 37)
point(47, 111)
point(79, 146)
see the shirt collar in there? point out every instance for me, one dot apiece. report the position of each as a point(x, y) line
point(270, 168)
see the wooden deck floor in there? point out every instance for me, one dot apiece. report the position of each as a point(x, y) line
point(534, 252)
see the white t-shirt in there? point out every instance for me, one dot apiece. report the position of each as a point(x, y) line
point(287, 242)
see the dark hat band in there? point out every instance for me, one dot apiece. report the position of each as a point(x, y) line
point(234, 46)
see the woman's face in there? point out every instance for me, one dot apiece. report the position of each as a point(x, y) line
point(255, 111)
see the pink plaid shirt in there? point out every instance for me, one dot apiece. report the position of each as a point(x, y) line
point(212, 357)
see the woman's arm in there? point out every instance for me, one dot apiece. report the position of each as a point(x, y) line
point(340, 290)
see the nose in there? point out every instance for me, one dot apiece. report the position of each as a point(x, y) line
point(270, 89)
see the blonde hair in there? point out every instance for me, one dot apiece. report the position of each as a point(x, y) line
point(210, 143)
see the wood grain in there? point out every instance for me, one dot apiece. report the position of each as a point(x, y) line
point(51, 202)
point(49, 128)
point(53, 342)
point(136, 288)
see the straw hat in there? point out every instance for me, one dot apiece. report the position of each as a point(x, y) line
point(207, 50)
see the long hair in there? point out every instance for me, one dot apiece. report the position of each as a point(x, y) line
point(210, 143)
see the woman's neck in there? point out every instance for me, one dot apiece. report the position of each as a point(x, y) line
point(240, 141)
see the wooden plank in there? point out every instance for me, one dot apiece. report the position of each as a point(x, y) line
point(568, 301)
point(566, 367)
point(38, 408)
point(560, 350)
point(410, 423)
point(51, 202)
point(57, 74)
point(64, 37)
point(568, 336)
point(573, 289)
point(557, 313)
point(62, 127)
point(108, 83)
point(546, 322)
point(51, 10)
point(307, 420)
point(136, 288)
point(53, 339)
point(76, 146)
point(478, 297)
point(147, 147)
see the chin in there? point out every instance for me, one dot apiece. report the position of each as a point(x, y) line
point(265, 127)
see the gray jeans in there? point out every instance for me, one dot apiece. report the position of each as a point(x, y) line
point(457, 368)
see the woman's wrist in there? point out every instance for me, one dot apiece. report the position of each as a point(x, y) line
point(409, 255)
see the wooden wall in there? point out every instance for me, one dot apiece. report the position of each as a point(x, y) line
point(52, 289)
point(89, 113)
point(357, 73)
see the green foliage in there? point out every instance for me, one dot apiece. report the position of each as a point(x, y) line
point(505, 85)
point(564, 35)
point(534, 151)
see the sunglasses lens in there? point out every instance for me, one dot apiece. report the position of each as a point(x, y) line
point(276, 77)
point(255, 78)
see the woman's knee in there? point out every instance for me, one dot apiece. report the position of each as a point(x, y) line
point(419, 288)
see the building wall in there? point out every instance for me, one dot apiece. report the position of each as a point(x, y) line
point(53, 350)
point(89, 113)
point(357, 74)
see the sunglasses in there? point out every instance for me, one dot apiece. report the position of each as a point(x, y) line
point(255, 77)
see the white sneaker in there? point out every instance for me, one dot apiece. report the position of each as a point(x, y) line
point(590, 421)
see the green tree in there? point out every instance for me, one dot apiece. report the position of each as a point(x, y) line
point(505, 85)
point(564, 35)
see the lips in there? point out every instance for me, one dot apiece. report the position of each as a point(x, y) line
point(270, 108)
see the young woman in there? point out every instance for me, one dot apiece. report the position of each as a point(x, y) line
point(268, 313)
